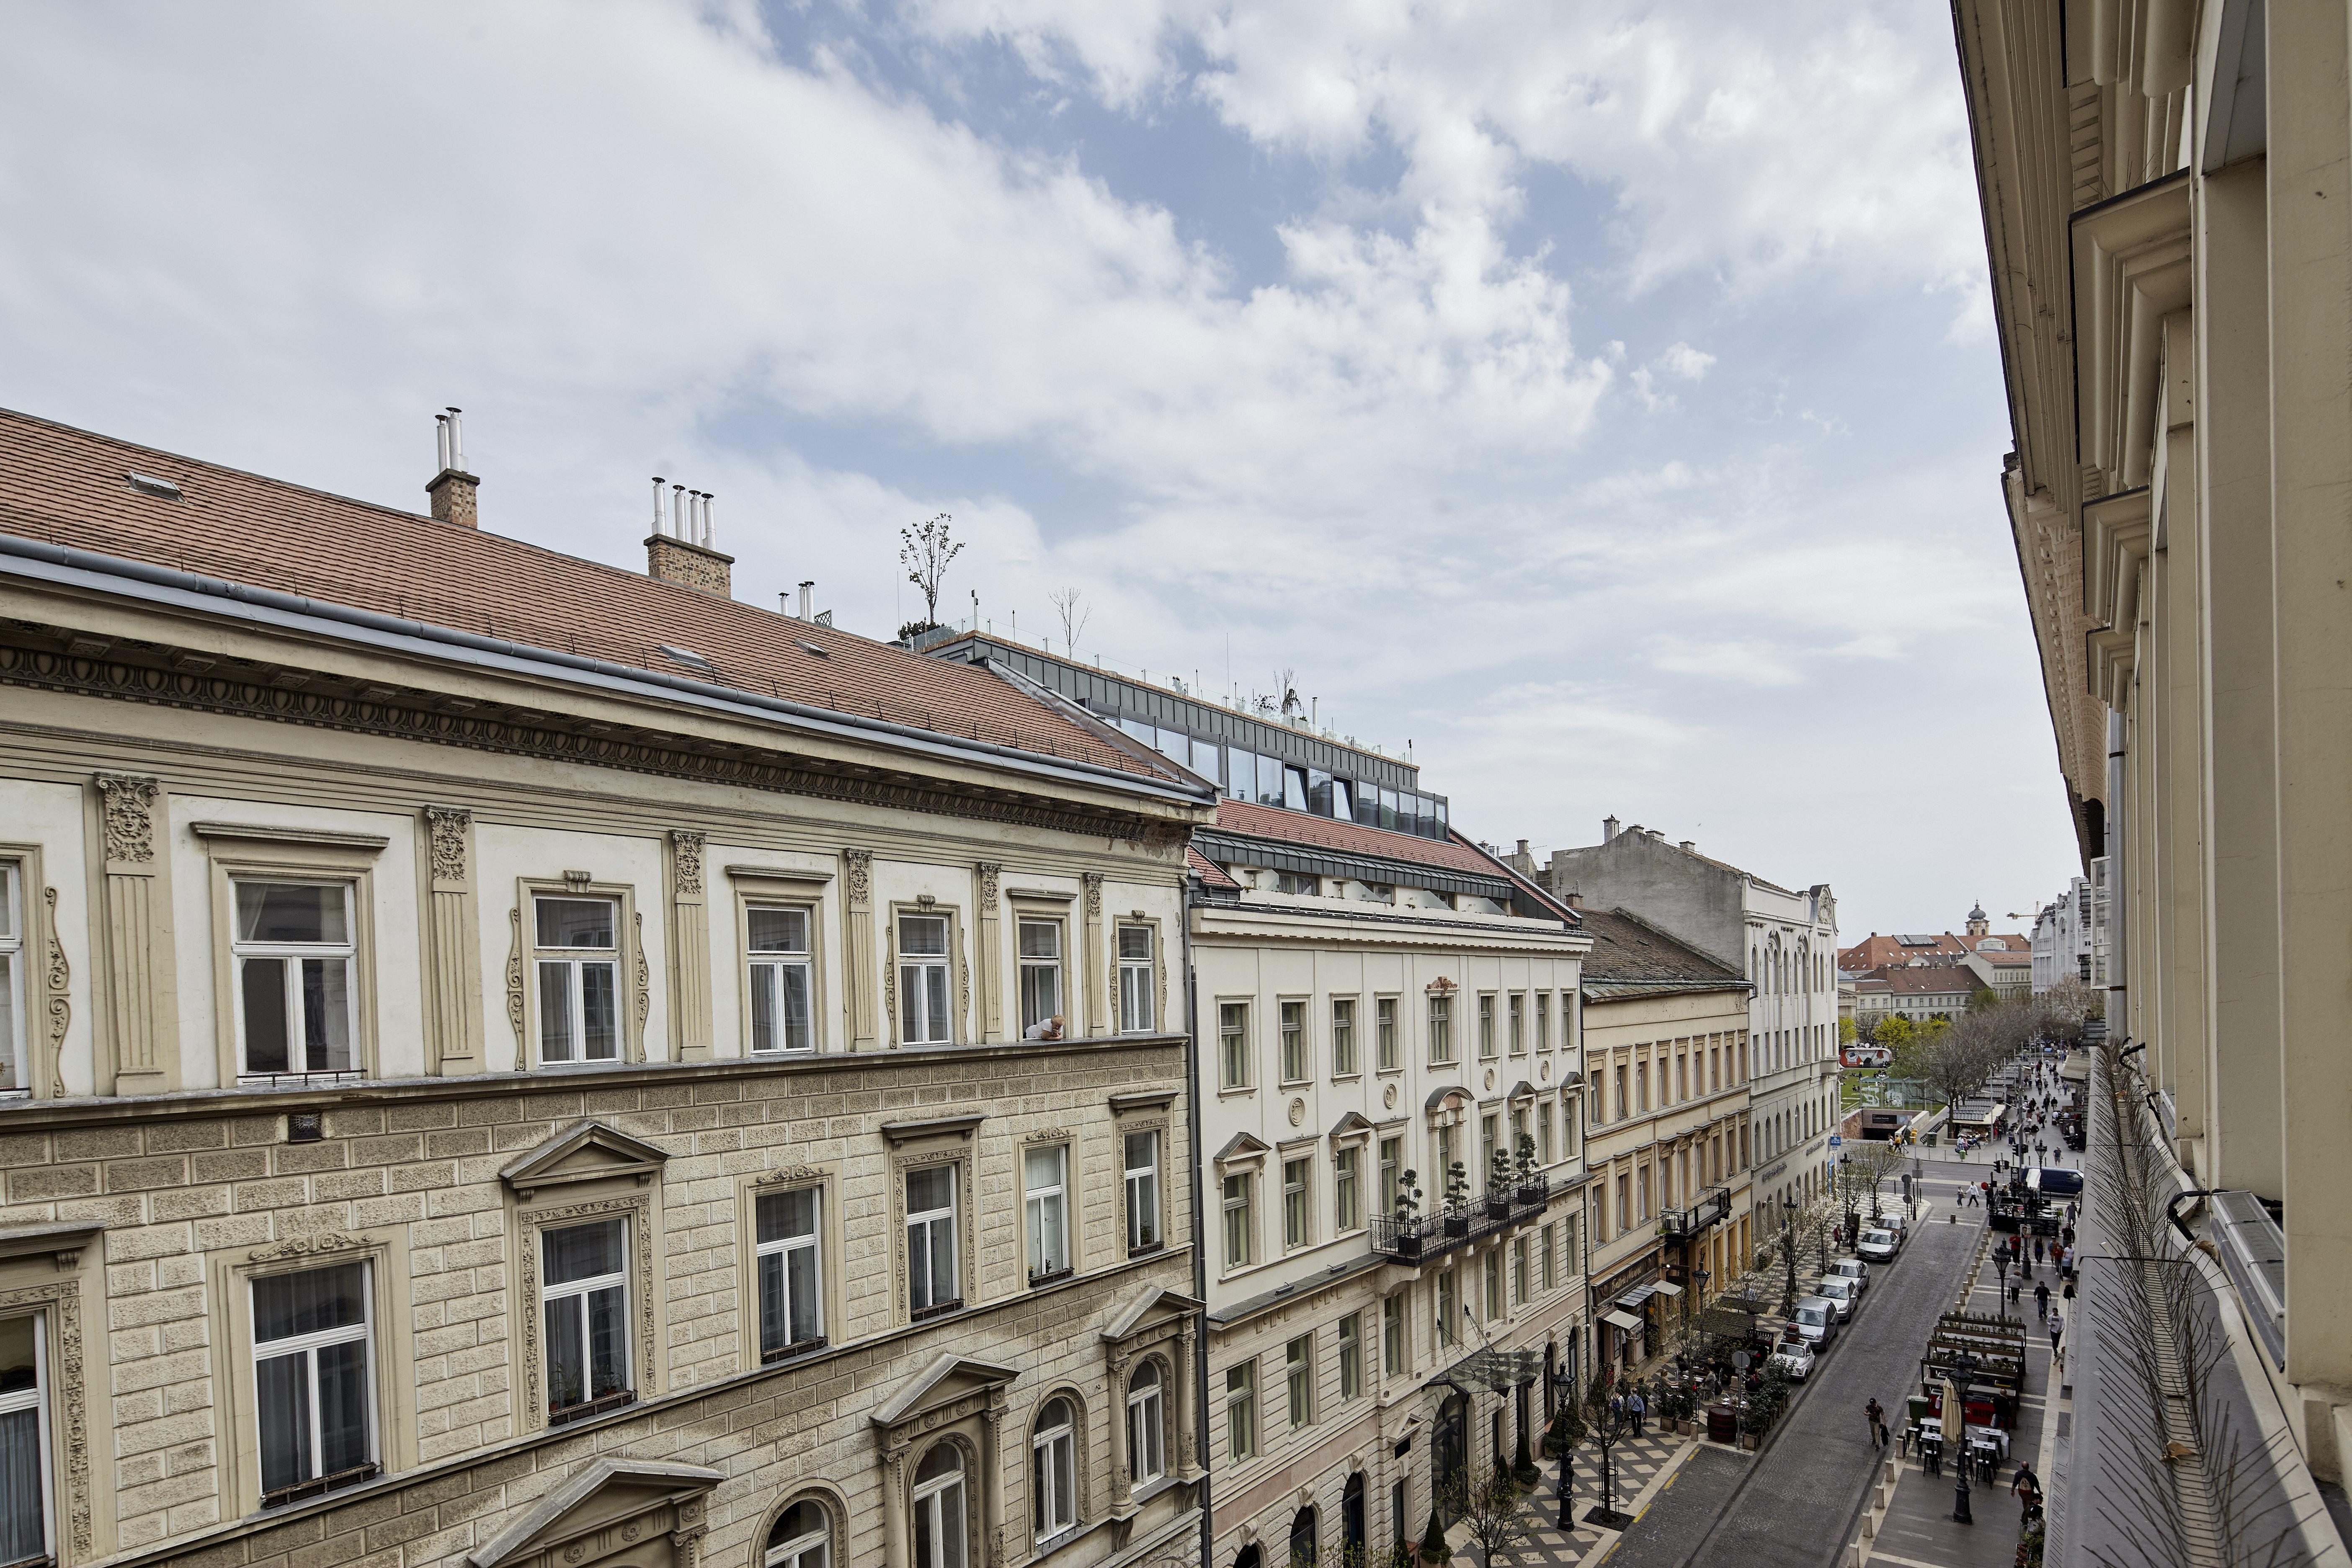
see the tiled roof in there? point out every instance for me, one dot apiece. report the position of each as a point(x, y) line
point(1908, 981)
point(1242, 818)
point(1210, 874)
point(67, 486)
point(1630, 951)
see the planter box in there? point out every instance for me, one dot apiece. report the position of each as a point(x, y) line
point(1498, 1208)
point(1408, 1245)
point(1457, 1224)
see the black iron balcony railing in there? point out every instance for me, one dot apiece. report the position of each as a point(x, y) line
point(1683, 1225)
point(1424, 1237)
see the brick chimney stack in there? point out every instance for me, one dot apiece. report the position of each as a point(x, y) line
point(678, 549)
point(452, 490)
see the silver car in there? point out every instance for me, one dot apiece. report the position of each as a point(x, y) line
point(1843, 1291)
point(1816, 1318)
point(1853, 1268)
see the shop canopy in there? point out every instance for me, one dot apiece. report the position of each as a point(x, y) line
point(1625, 1321)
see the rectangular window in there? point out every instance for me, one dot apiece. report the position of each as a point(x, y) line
point(780, 1010)
point(1299, 1378)
point(1518, 1014)
point(295, 986)
point(1352, 1356)
point(1625, 1204)
point(1544, 1146)
point(12, 1078)
point(1543, 1020)
point(25, 1504)
point(1137, 986)
point(1346, 1213)
point(1294, 1203)
point(1298, 883)
point(1489, 1133)
point(1385, 1021)
point(1269, 780)
point(1040, 973)
point(1241, 1412)
point(1494, 1286)
point(1486, 1026)
point(1142, 1192)
point(923, 1016)
point(1449, 1303)
point(1392, 1351)
point(1294, 1042)
point(1520, 1272)
point(1045, 1210)
point(1550, 1258)
point(1233, 1045)
point(1343, 1037)
point(792, 1310)
point(584, 1295)
point(313, 1385)
point(1240, 1226)
point(1441, 1028)
point(1642, 1084)
point(934, 1275)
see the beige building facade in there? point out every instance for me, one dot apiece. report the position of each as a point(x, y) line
point(514, 1061)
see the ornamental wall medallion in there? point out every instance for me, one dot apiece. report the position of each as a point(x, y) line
point(686, 847)
point(128, 804)
point(447, 829)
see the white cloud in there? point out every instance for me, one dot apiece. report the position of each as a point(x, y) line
point(1682, 360)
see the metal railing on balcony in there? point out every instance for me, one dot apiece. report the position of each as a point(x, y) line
point(1683, 1225)
point(1424, 1237)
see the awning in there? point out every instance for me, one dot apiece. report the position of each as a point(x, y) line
point(1667, 1287)
point(1636, 1296)
point(1625, 1321)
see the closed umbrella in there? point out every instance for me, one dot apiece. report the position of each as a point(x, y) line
point(1954, 1416)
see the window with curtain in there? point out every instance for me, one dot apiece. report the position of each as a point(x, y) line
point(311, 1384)
point(938, 1505)
point(584, 1296)
point(923, 1016)
point(1147, 1427)
point(25, 1511)
point(577, 958)
point(790, 1274)
point(294, 958)
point(779, 941)
point(1142, 1151)
point(1045, 1195)
point(1041, 971)
point(934, 1283)
point(802, 1538)
point(1138, 989)
point(1053, 1471)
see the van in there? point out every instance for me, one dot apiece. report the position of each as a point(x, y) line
point(2054, 1181)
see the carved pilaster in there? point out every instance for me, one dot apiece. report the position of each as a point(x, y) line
point(689, 948)
point(59, 1006)
point(865, 980)
point(140, 1062)
point(894, 1504)
point(991, 1469)
point(1188, 1418)
point(1099, 1020)
point(989, 951)
point(452, 973)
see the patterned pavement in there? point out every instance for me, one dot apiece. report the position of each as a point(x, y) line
point(1643, 1464)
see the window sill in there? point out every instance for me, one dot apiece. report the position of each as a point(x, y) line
point(299, 1080)
point(1232, 1089)
point(615, 1400)
point(938, 1310)
point(1147, 1249)
point(304, 1490)
point(1346, 1077)
point(793, 1352)
point(1051, 1276)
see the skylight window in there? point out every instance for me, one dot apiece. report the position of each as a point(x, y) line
point(810, 647)
point(688, 655)
point(148, 485)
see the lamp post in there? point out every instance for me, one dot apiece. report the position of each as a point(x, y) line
point(1964, 1367)
point(2000, 1277)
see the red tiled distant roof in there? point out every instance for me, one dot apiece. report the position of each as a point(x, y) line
point(1346, 837)
point(67, 486)
point(1209, 871)
point(1906, 981)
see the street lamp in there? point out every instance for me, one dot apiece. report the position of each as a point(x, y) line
point(1964, 1367)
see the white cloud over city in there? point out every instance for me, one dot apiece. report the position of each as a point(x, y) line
point(1601, 401)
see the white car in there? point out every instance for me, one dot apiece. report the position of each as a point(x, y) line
point(1843, 1291)
point(1794, 1357)
point(1877, 1246)
point(1853, 1268)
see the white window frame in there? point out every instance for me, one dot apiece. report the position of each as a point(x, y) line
point(1352, 1355)
point(1297, 1062)
point(1299, 1380)
point(1147, 1426)
point(1343, 1037)
point(812, 1549)
point(917, 1026)
point(928, 1496)
point(37, 1399)
point(1297, 1203)
point(1043, 970)
point(770, 970)
point(12, 983)
point(1241, 1411)
point(574, 963)
point(581, 1290)
point(930, 1219)
point(783, 1250)
point(308, 1346)
point(1441, 1028)
point(1346, 1189)
point(293, 955)
point(1137, 981)
point(1142, 1193)
point(1240, 1220)
point(1045, 1212)
point(1233, 1045)
point(1396, 1354)
point(1053, 1472)
point(1385, 1032)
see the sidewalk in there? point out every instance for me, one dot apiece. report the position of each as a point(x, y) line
point(1645, 1465)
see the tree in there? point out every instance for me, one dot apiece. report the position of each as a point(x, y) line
point(1607, 1424)
point(925, 550)
point(1491, 1512)
point(1074, 616)
point(1875, 1163)
point(1983, 999)
point(1848, 1031)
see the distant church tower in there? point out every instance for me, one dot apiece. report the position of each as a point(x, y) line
point(1978, 925)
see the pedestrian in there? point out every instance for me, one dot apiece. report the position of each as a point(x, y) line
point(2057, 1327)
point(1877, 1419)
point(1566, 1491)
point(1637, 1407)
point(2042, 1301)
point(2026, 1487)
point(2037, 1250)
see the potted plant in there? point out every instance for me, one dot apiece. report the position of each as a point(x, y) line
point(1498, 1186)
point(1407, 1213)
point(1534, 1190)
point(1457, 1200)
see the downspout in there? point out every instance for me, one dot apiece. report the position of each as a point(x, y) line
point(1200, 1243)
point(2118, 997)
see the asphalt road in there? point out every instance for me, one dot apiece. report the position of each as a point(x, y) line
point(1800, 1495)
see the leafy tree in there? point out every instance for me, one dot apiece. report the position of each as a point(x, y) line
point(1848, 1031)
point(1984, 998)
point(925, 550)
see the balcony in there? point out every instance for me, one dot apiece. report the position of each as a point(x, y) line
point(1427, 1236)
point(1690, 1224)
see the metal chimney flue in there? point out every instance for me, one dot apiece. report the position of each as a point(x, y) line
point(657, 503)
point(452, 490)
point(808, 597)
point(457, 441)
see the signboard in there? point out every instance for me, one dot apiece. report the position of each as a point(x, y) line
point(1835, 1140)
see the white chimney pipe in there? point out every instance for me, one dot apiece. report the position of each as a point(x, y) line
point(441, 443)
point(677, 512)
point(658, 506)
point(456, 442)
point(808, 597)
point(710, 520)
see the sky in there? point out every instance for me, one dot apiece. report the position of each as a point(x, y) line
point(1600, 398)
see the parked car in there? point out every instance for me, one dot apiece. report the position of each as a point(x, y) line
point(1853, 1268)
point(1816, 1318)
point(1877, 1246)
point(1844, 1292)
point(1794, 1357)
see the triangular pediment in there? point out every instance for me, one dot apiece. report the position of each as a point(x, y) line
point(1243, 1146)
point(1147, 1308)
point(607, 1494)
point(946, 1381)
point(585, 1151)
point(1351, 1124)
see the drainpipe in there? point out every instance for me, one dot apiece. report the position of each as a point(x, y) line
point(1199, 1244)
point(2118, 998)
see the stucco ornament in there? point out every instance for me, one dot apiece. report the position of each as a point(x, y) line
point(447, 828)
point(130, 808)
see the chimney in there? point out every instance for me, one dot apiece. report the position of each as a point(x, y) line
point(680, 551)
point(1608, 828)
point(1576, 900)
point(808, 598)
point(452, 490)
point(1690, 846)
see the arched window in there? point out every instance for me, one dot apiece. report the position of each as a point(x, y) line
point(1053, 1475)
point(802, 1538)
point(1302, 1539)
point(939, 1508)
point(1147, 1442)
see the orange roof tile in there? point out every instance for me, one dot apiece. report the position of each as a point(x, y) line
point(1324, 833)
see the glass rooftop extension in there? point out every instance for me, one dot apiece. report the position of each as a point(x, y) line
point(1248, 757)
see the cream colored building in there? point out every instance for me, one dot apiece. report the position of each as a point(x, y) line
point(518, 1062)
point(1668, 1138)
point(1375, 1009)
point(2168, 191)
